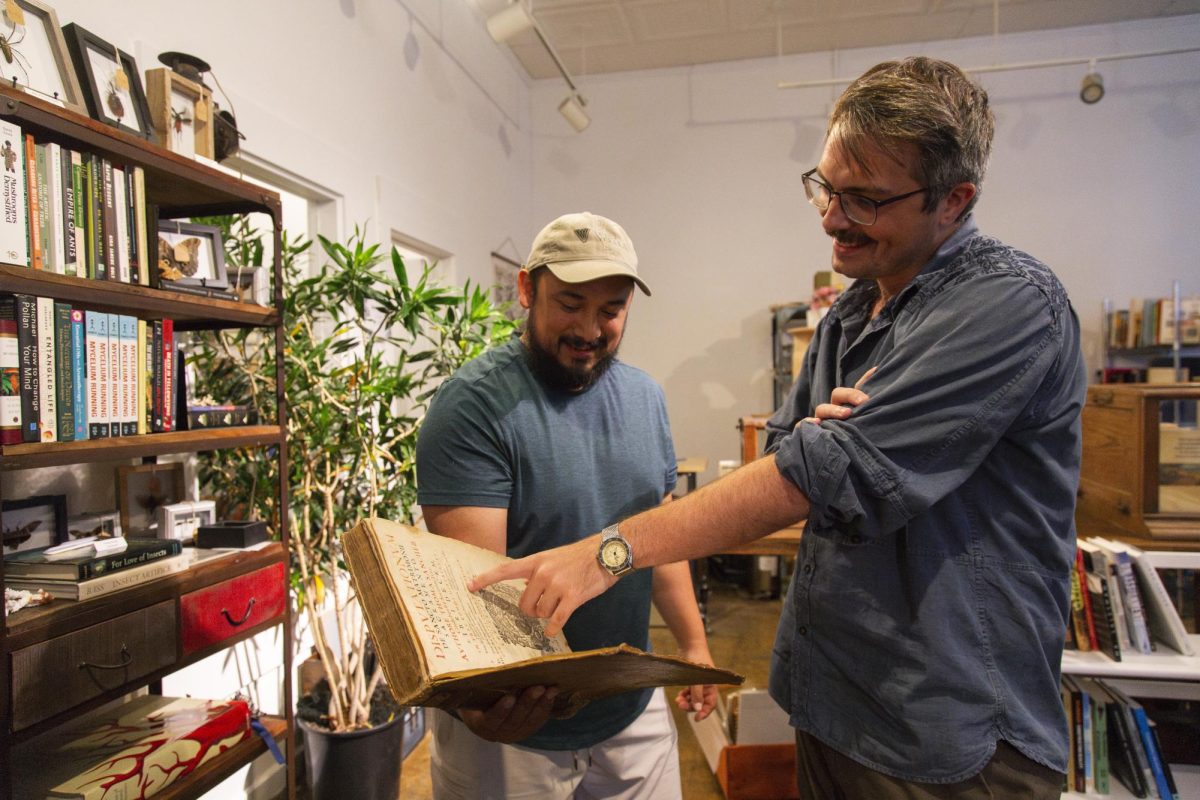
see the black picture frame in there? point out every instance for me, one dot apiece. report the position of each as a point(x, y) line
point(20, 514)
point(208, 266)
point(95, 62)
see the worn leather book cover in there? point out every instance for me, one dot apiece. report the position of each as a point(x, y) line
point(445, 647)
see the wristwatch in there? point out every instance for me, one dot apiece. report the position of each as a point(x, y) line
point(615, 554)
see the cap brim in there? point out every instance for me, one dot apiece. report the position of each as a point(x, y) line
point(584, 271)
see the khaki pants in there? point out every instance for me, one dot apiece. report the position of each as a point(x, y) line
point(823, 773)
point(639, 763)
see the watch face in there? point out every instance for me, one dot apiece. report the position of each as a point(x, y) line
point(614, 553)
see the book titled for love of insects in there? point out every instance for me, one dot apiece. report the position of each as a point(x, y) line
point(443, 646)
point(35, 564)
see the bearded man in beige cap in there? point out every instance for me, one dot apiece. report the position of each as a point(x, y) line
point(547, 434)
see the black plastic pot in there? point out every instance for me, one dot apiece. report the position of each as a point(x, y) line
point(362, 764)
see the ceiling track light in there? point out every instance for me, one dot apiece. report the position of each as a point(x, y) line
point(1092, 88)
point(514, 19)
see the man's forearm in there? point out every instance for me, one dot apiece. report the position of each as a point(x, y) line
point(745, 505)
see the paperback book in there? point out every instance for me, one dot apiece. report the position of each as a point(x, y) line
point(104, 584)
point(36, 565)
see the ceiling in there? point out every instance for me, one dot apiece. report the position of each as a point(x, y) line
point(597, 36)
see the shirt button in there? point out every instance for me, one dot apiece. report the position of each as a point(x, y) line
point(808, 569)
point(802, 630)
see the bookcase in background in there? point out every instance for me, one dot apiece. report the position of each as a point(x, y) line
point(68, 657)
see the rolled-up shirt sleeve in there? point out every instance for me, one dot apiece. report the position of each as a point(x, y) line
point(963, 369)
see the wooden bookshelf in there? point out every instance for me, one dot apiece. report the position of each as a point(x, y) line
point(57, 454)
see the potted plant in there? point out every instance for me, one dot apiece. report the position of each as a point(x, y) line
point(366, 348)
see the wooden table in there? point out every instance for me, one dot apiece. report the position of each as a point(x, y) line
point(689, 469)
point(783, 543)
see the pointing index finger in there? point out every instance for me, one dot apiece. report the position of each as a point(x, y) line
point(500, 572)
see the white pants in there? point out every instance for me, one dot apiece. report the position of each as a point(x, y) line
point(639, 763)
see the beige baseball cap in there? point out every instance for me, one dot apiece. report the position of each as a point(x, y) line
point(583, 247)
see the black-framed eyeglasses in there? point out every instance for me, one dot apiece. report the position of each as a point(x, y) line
point(859, 209)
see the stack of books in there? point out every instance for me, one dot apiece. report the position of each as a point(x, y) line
point(1119, 604)
point(88, 574)
point(1112, 737)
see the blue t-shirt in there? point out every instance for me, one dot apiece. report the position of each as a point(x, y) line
point(565, 465)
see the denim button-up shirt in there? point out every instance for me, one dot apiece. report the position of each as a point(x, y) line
point(928, 608)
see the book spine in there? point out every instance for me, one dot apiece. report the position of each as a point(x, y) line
point(14, 244)
point(54, 191)
point(1152, 754)
point(129, 375)
point(79, 213)
point(97, 374)
point(63, 374)
point(131, 238)
point(1166, 767)
point(121, 223)
point(109, 223)
point(1100, 744)
point(47, 380)
point(145, 257)
point(66, 179)
point(1087, 734)
point(1081, 623)
point(168, 380)
point(114, 375)
point(1106, 626)
point(131, 577)
point(106, 565)
point(27, 342)
point(1122, 751)
point(31, 183)
point(1135, 614)
point(10, 373)
point(141, 409)
point(45, 197)
point(156, 378)
point(96, 173)
point(79, 374)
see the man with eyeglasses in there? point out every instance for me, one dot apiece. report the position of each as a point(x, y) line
point(919, 649)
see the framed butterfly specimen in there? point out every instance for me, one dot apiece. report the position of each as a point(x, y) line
point(110, 81)
point(33, 522)
point(190, 255)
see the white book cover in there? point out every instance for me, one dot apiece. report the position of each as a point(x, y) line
point(14, 246)
point(48, 378)
point(1139, 634)
point(120, 204)
point(114, 375)
point(57, 251)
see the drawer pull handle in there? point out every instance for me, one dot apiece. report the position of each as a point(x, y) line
point(126, 660)
point(229, 617)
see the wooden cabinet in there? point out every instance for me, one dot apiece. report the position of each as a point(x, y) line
point(1140, 476)
point(66, 658)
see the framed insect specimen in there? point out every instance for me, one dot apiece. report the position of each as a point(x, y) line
point(111, 83)
point(34, 57)
point(181, 111)
point(34, 522)
point(142, 489)
point(190, 255)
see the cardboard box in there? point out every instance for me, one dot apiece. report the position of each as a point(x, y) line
point(750, 747)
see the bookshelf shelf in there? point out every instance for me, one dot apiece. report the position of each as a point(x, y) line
point(57, 454)
point(1187, 780)
point(1165, 664)
point(44, 649)
point(191, 312)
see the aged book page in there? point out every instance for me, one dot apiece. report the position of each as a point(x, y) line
point(441, 645)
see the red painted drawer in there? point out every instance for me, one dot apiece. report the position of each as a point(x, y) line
point(218, 612)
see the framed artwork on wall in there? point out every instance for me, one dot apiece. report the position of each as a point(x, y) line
point(35, 56)
point(181, 112)
point(34, 522)
point(190, 255)
point(111, 83)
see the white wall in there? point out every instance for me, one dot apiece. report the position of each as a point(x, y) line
point(403, 108)
point(702, 165)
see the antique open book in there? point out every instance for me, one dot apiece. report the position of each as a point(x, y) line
point(443, 646)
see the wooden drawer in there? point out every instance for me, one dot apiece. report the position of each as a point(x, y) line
point(60, 673)
point(215, 613)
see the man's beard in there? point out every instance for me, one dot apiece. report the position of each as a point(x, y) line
point(546, 366)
